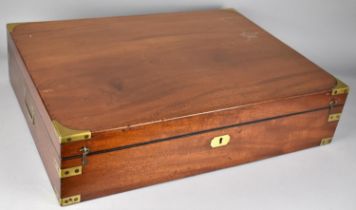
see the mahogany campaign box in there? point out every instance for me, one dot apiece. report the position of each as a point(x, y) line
point(120, 103)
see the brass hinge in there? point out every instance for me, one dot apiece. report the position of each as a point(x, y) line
point(340, 88)
point(334, 117)
point(66, 135)
point(68, 172)
point(69, 200)
point(325, 141)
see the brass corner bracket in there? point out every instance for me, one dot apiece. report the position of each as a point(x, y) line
point(68, 172)
point(11, 26)
point(66, 135)
point(325, 141)
point(334, 117)
point(69, 200)
point(340, 88)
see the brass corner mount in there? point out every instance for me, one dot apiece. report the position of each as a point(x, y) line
point(67, 135)
point(68, 172)
point(70, 200)
point(11, 26)
point(326, 141)
point(340, 88)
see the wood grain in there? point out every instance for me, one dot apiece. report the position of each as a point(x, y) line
point(140, 166)
point(120, 72)
point(155, 89)
point(25, 95)
point(168, 129)
point(24, 86)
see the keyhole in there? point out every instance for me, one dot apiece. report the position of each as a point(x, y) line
point(219, 141)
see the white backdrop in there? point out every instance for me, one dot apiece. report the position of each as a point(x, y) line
point(320, 178)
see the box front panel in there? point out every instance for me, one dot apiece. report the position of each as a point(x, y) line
point(139, 166)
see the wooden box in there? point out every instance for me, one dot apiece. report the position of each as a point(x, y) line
point(119, 103)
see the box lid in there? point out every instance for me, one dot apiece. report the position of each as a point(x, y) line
point(156, 73)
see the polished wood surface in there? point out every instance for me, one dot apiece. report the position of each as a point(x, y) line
point(168, 129)
point(27, 98)
point(126, 169)
point(155, 89)
point(124, 72)
point(22, 82)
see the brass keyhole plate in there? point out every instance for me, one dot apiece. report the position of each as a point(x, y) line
point(220, 141)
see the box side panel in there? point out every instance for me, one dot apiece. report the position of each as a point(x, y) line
point(17, 60)
point(139, 166)
point(28, 103)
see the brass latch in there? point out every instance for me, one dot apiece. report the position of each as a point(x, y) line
point(220, 141)
point(333, 116)
point(85, 151)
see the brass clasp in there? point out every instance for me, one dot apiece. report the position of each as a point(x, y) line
point(85, 151)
